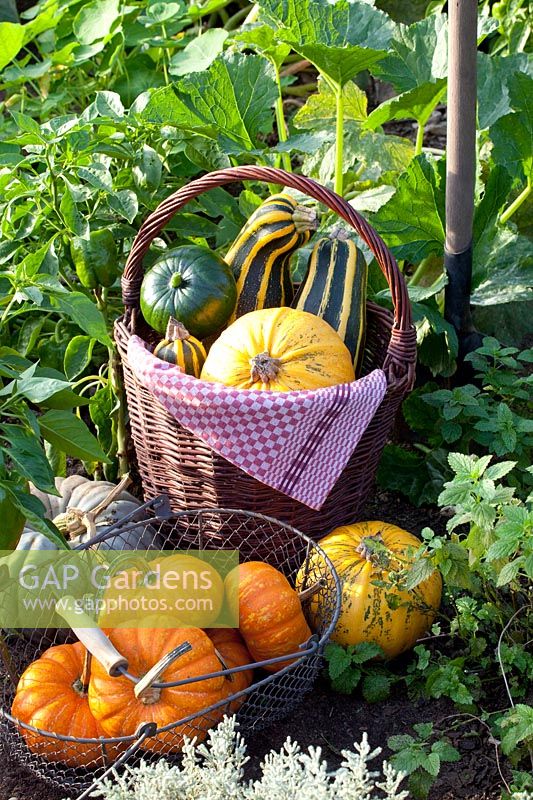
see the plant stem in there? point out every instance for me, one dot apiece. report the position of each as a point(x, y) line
point(517, 202)
point(419, 272)
point(284, 159)
point(419, 139)
point(115, 381)
point(301, 90)
point(339, 139)
point(232, 22)
point(165, 68)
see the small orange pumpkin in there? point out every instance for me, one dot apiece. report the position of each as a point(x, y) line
point(51, 695)
point(113, 702)
point(230, 646)
point(271, 620)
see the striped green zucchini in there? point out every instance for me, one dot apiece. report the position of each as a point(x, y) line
point(260, 254)
point(334, 288)
point(179, 347)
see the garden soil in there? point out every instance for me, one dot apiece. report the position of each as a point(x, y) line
point(334, 722)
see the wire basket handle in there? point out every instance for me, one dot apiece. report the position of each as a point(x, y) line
point(92, 638)
point(402, 346)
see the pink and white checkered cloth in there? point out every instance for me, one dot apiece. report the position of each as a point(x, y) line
point(295, 442)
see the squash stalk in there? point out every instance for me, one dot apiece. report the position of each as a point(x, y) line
point(339, 139)
point(517, 202)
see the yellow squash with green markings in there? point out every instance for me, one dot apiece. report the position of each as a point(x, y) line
point(179, 347)
point(334, 288)
point(260, 255)
point(374, 606)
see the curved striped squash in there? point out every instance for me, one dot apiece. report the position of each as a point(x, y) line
point(334, 288)
point(179, 347)
point(260, 254)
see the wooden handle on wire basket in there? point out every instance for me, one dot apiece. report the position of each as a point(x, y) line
point(94, 639)
point(402, 346)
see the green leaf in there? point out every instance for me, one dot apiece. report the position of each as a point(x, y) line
point(408, 760)
point(95, 20)
point(494, 73)
point(512, 135)
point(432, 764)
point(125, 203)
point(78, 355)
point(418, 103)
point(497, 471)
point(72, 218)
point(518, 726)
point(347, 681)
point(103, 404)
point(11, 40)
point(509, 572)
point(421, 570)
point(445, 751)
point(200, 53)
point(320, 109)
point(263, 39)
point(28, 456)
point(231, 102)
point(97, 175)
point(33, 510)
point(502, 269)
point(419, 784)
point(417, 54)
point(376, 687)
point(71, 435)
point(410, 222)
point(408, 472)
point(340, 39)
point(366, 651)
point(148, 169)
point(400, 741)
point(109, 104)
point(84, 313)
point(338, 660)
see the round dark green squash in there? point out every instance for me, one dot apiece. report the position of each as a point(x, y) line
point(193, 285)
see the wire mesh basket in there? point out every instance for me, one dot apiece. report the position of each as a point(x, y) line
point(271, 696)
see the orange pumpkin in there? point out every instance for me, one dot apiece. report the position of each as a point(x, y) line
point(271, 620)
point(51, 696)
point(113, 702)
point(233, 652)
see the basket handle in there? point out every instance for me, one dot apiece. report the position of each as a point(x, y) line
point(402, 346)
point(94, 639)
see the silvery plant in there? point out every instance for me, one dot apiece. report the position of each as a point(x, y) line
point(215, 771)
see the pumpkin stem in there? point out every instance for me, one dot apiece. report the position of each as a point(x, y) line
point(176, 280)
point(176, 331)
point(144, 691)
point(74, 521)
point(367, 547)
point(81, 684)
point(304, 218)
point(264, 368)
point(315, 587)
point(229, 677)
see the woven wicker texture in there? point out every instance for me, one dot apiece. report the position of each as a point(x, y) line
point(172, 460)
point(271, 696)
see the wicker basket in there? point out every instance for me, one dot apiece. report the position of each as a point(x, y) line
point(174, 461)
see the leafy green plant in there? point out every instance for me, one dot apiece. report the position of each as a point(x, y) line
point(354, 667)
point(37, 427)
point(420, 757)
point(487, 565)
point(468, 418)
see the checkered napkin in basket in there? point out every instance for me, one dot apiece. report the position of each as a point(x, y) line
point(295, 442)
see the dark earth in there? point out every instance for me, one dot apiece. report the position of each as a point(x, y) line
point(334, 721)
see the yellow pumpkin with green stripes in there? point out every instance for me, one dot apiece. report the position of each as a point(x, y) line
point(373, 607)
point(260, 255)
point(179, 347)
point(334, 288)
